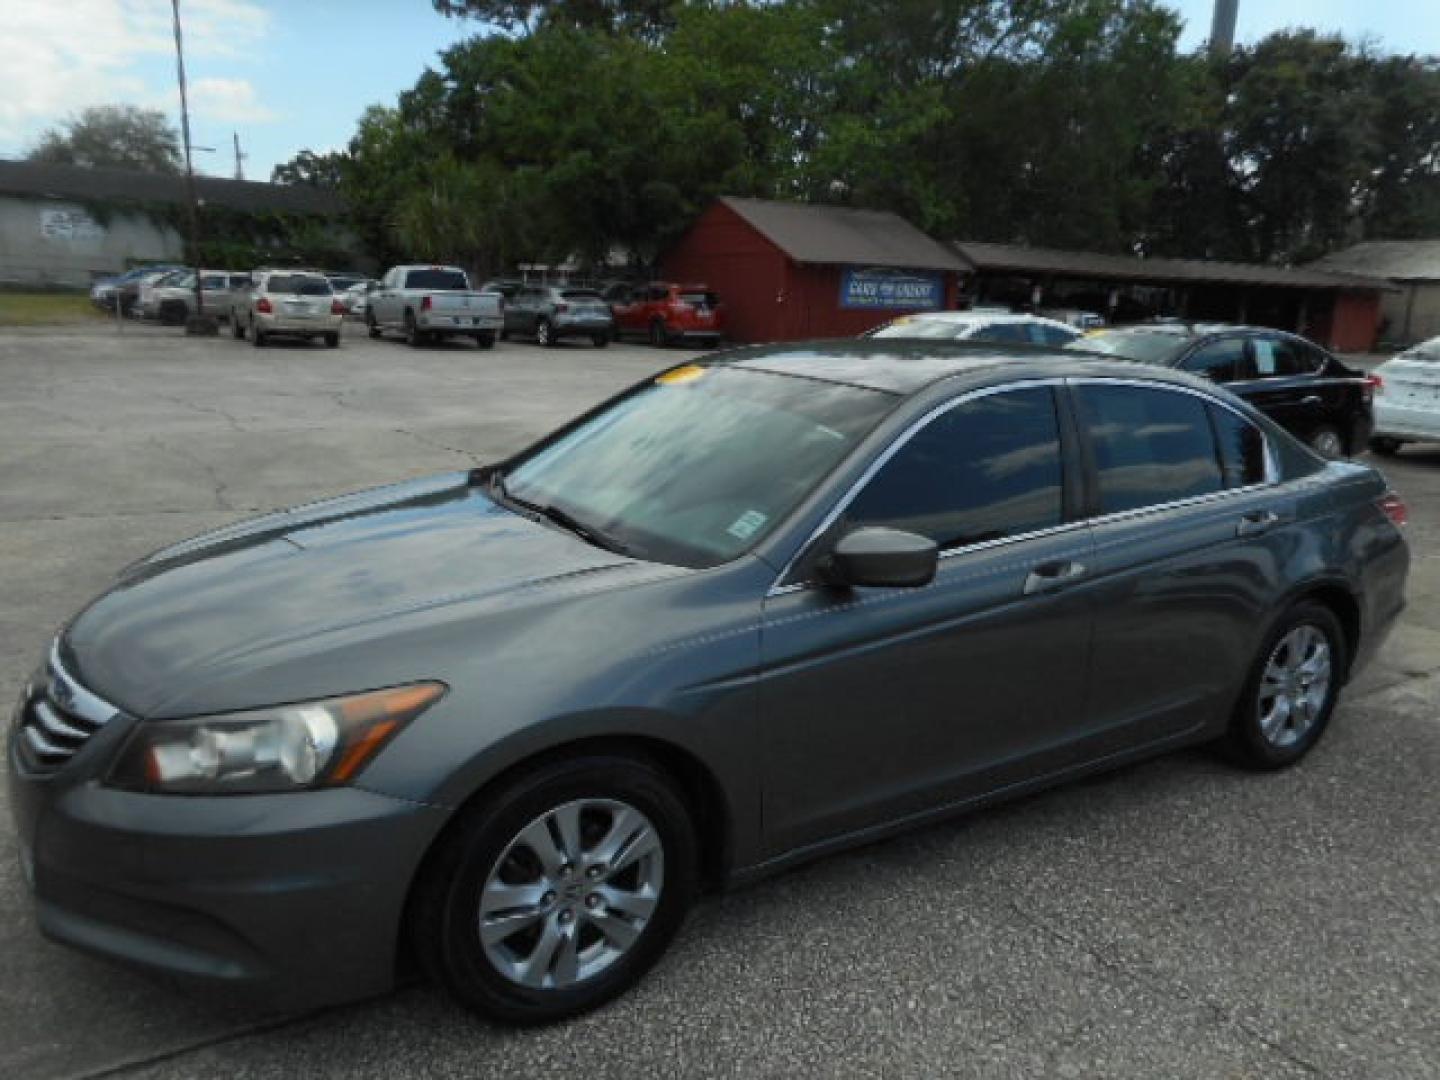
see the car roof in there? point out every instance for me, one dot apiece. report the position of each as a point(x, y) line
point(980, 316)
point(909, 366)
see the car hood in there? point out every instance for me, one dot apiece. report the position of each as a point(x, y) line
point(200, 609)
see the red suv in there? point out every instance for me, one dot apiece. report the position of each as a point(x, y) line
point(665, 312)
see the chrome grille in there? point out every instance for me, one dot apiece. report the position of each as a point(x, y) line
point(57, 716)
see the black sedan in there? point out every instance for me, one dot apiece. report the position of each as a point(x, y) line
point(508, 722)
point(1296, 383)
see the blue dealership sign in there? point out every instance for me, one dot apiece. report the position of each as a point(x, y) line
point(880, 288)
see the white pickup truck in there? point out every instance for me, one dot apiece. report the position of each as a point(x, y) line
point(430, 302)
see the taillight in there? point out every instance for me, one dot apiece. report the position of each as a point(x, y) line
point(337, 308)
point(425, 303)
point(264, 306)
point(1393, 507)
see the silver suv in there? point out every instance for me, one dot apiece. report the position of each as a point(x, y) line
point(290, 303)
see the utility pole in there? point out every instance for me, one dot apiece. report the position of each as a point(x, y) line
point(1222, 27)
point(239, 157)
point(198, 323)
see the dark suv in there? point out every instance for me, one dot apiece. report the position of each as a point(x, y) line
point(1302, 387)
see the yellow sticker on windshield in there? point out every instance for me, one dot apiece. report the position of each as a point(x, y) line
point(687, 373)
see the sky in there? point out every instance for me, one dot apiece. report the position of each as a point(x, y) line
point(288, 75)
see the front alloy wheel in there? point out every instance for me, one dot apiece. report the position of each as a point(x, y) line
point(556, 892)
point(571, 893)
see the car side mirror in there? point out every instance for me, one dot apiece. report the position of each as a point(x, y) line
point(882, 558)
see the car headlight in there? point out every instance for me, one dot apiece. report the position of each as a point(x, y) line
point(285, 748)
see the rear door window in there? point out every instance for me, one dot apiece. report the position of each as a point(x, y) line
point(1275, 357)
point(986, 469)
point(1150, 445)
point(1219, 361)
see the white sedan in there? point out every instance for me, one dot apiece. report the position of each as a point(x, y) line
point(1407, 398)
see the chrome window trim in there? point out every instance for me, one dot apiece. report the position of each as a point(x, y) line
point(1272, 471)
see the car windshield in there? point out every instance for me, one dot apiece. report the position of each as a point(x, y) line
point(436, 278)
point(298, 285)
point(1147, 346)
point(913, 327)
point(684, 469)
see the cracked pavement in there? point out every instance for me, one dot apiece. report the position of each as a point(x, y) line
point(1175, 919)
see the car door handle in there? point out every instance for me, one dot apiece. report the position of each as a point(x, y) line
point(1311, 400)
point(1257, 522)
point(1048, 577)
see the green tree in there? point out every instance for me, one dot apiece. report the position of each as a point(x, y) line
point(310, 168)
point(114, 137)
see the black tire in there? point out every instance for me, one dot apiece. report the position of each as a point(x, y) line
point(601, 340)
point(504, 335)
point(371, 327)
point(545, 334)
point(659, 336)
point(414, 336)
point(257, 336)
point(1385, 445)
point(332, 341)
point(1245, 741)
point(1327, 442)
point(485, 339)
point(443, 917)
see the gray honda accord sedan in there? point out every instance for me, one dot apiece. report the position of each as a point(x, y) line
point(505, 724)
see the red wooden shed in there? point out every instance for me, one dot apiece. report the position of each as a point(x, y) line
point(787, 271)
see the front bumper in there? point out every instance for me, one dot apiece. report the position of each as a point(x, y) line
point(293, 899)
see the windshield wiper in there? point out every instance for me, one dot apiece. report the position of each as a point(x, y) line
point(561, 517)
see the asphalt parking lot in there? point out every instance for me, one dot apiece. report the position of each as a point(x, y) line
point(1176, 919)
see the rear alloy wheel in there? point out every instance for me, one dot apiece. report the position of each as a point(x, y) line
point(545, 334)
point(257, 336)
point(332, 341)
point(1326, 442)
point(1385, 446)
point(414, 337)
point(1292, 689)
point(485, 339)
point(601, 340)
point(659, 336)
point(557, 892)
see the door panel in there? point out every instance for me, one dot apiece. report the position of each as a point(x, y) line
point(1183, 561)
point(877, 704)
point(881, 703)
